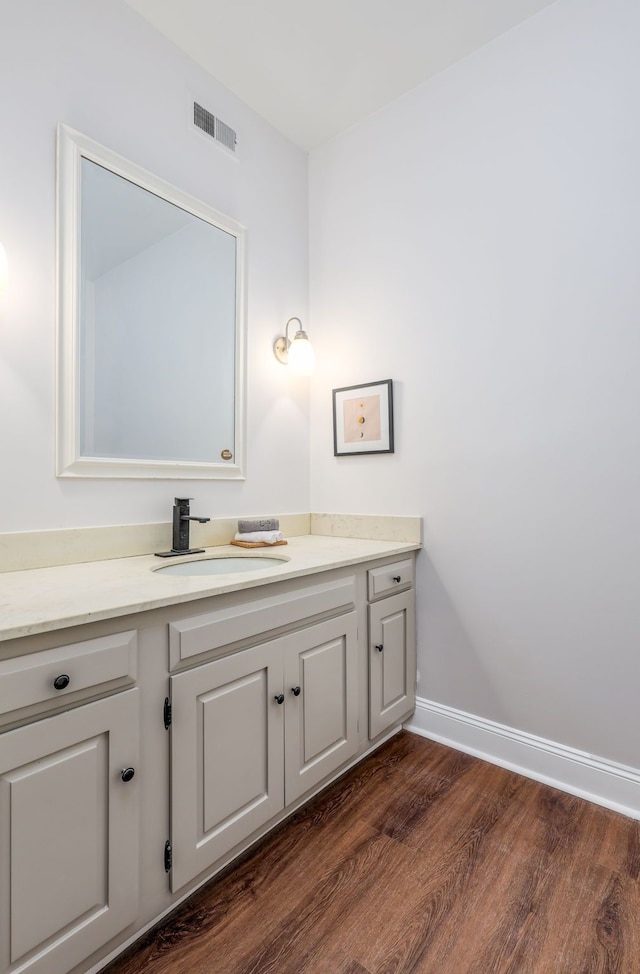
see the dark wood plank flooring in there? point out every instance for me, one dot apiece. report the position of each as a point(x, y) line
point(421, 860)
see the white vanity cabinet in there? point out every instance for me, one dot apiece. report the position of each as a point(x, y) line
point(272, 691)
point(253, 730)
point(68, 805)
point(392, 644)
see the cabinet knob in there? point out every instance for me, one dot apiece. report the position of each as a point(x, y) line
point(397, 578)
point(279, 698)
point(379, 647)
point(127, 774)
point(61, 682)
point(296, 691)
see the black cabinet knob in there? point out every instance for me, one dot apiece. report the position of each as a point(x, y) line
point(379, 647)
point(279, 698)
point(127, 774)
point(296, 691)
point(397, 578)
point(61, 682)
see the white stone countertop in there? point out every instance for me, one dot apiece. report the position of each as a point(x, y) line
point(45, 599)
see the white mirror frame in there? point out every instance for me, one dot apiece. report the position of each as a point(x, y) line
point(72, 148)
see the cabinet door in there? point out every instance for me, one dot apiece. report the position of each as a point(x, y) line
point(392, 661)
point(68, 835)
point(226, 755)
point(322, 718)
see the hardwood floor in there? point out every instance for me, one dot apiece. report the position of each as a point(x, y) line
point(421, 860)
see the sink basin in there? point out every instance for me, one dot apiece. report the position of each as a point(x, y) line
point(221, 565)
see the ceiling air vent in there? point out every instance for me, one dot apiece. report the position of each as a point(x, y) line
point(208, 123)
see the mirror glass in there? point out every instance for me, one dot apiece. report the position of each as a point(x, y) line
point(151, 324)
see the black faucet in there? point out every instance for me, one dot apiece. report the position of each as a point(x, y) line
point(181, 518)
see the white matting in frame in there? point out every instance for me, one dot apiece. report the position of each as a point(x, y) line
point(363, 419)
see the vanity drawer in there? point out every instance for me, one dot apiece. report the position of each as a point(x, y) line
point(29, 680)
point(216, 630)
point(390, 579)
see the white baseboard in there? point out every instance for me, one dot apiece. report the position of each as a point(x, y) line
point(596, 779)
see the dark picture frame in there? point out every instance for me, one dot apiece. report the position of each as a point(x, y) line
point(363, 419)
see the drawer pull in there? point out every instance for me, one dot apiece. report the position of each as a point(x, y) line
point(296, 691)
point(61, 682)
point(127, 774)
point(397, 578)
point(379, 647)
point(279, 698)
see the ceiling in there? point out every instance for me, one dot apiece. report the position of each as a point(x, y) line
point(314, 67)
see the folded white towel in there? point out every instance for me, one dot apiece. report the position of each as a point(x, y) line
point(267, 537)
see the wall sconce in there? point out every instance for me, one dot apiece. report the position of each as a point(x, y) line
point(4, 269)
point(298, 354)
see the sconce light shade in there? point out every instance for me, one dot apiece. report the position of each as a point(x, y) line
point(4, 269)
point(298, 354)
point(301, 355)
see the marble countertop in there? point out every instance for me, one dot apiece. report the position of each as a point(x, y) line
point(45, 599)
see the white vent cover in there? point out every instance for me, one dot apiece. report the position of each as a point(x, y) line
point(214, 127)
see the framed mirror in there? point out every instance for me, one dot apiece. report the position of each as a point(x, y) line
point(151, 324)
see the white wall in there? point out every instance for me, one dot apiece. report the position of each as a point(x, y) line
point(477, 241)
point(97, 66)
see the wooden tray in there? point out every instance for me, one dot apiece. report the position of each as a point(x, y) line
point(257, 544)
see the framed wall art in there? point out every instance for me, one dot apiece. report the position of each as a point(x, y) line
point(363, 419)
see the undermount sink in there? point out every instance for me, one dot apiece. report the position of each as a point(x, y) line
point(222, 565)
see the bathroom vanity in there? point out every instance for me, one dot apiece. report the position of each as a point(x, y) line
point(153, 727)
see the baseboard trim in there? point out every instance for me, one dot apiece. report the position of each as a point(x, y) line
point(606, 783)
